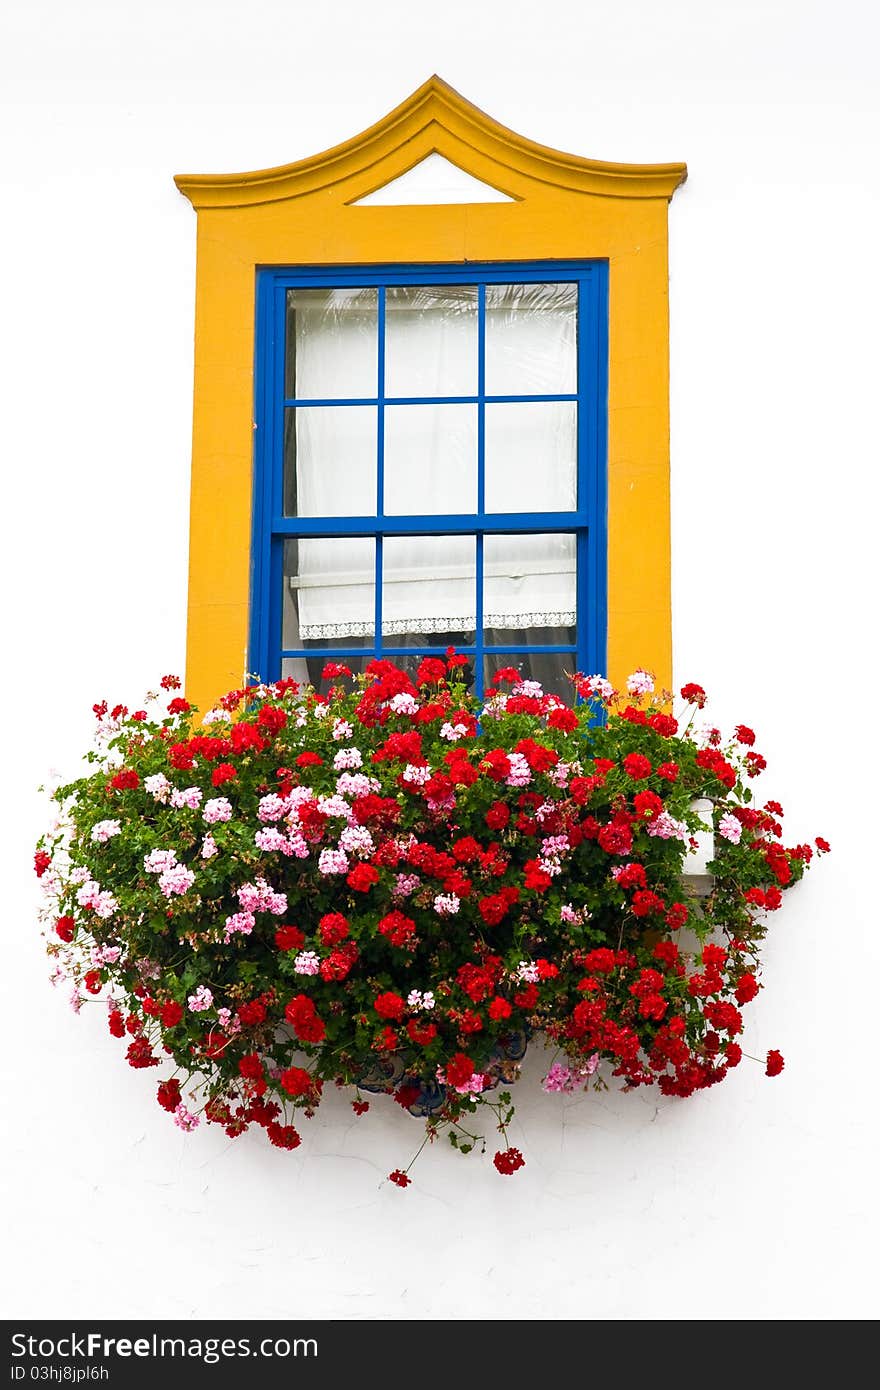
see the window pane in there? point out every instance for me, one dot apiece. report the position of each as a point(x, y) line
point(332, 343)
point(531, 339)
point(307, 669)
point(430, 459)
point(428, 587)
point(531, 456)
point(431, 340)
point(547, 668)
point(329, 590)
point(529, 582)
point(330, 460)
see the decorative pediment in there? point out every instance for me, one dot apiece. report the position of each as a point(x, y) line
point(435, 121)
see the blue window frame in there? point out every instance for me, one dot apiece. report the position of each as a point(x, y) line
point(584, 644)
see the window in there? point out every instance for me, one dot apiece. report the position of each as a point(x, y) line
point(431, 469)
point(392, 502)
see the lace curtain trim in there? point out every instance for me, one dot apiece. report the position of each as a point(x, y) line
point(313, 632)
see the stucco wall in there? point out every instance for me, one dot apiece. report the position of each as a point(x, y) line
point(755, 1200)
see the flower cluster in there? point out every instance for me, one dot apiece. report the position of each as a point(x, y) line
point(392, 888)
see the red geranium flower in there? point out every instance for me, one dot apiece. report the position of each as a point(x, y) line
point(775, 1062)
point(282, 1136)
point(308, 759)
point(171, 1014)
point(498, 815)
point(507, 1161)
point(431, 671)
point(637, 766)
point(694, 694)
point(500, 1009)
point(389, 1005)
point(126, 780)
point(362, 878)
point(298, 1082)
point(65, 928)
point(168, 1094)
point(289, 939)
point(459, 1069)
point(303, 1019)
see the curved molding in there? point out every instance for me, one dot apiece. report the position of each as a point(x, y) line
point(435, 119)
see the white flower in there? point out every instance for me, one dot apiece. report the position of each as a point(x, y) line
point(453, 732)
point(104, 831)
point(202, 999)
point(158, 787)
point(640, 683)
point(730, 828)
point(213, 716)
point(404, 704)
point(158, 861)
point(417, 1000)
point(534, 689)
point(307, 963)
point(597, 686)
point(416, 776)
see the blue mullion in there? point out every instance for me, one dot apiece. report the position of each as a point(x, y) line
point(265, 619)
point(469, 649)
point(380, 466)
point(512, 522)
point(305, 401)
point(271, 664)
point(481, 484)
point(592, 445)
point(262, 469)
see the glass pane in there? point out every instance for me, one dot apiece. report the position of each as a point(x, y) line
point(332, 343)
point(531, 456)
point(547, 668)
point(529, 582)
point(428, 587)
point(431, 340)
point(430, 459)
point(531, 340)
point(330, 460)
point(308, 669)
point(329, 590)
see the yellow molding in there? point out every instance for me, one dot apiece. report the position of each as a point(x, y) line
point(438, 103)
point(566, 208)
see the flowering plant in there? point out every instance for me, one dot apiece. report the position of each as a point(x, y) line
point(391, 888)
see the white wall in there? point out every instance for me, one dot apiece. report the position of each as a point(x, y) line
point(756, 1200)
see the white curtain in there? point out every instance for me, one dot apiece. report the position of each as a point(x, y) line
point(431, 458)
